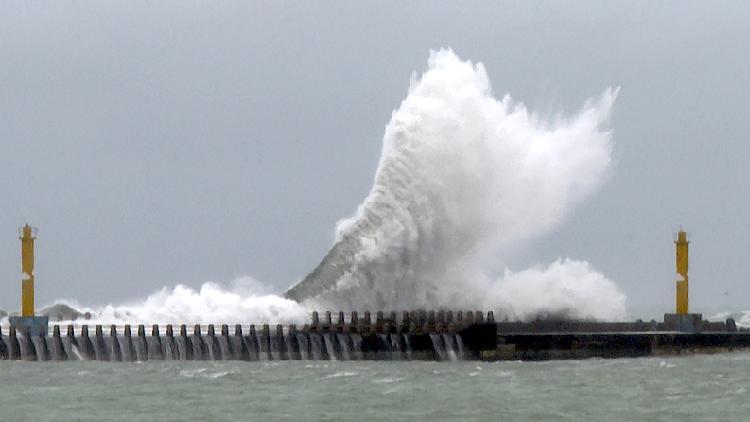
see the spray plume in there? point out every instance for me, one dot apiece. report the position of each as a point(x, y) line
point(462, 175)
point(463, 178)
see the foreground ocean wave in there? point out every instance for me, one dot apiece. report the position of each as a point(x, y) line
point(710, 387)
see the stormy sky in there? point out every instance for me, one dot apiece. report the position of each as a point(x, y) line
point(181, 142)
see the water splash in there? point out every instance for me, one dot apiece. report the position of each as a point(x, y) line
point(566, 288)
point(464, 176)
point(244, 302)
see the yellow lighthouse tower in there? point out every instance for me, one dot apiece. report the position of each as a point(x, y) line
point(27, 268)
point(681, 245)
point(682, 319)
point(28, 322)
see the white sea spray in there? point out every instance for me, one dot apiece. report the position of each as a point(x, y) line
point(463, 179)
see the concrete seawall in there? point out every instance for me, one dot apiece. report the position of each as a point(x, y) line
point(561, 339)
point(412, 335)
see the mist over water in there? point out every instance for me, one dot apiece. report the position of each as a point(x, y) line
point(464, 178)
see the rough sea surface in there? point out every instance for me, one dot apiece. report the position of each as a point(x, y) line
point(695, 388)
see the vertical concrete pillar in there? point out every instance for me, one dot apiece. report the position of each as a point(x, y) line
point(70, 345)
point(332, 346)
point(449, 317)
point(365, 324)
point(14, 348)
point(315, 320)
point(379, 328)
point(115, 353)
point(184, 344)
point(431, 322)
point(281, 343)
point(39, 340)
point(3, 347)
point(251, 342)
point(479, 319)
point(141, 344)
point(354, 319)
point(441, 317)
point(100, 349)
point(57, 346)
point(224, 346)
point(240, 349)
point(128, 352)
point(393, 318)
point(154, 344)
point(168, 346)
point(405, 321)
point(328, 321)
point(211, 344)
point(490, 317)
point(28, 351)
point(198, 346)
point(293, 344)
point(422, 317)
point(264, 342)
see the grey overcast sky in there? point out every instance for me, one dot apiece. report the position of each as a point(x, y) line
point(156, 143)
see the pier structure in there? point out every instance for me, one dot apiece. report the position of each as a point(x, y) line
point(440, 334)
point(409, 335)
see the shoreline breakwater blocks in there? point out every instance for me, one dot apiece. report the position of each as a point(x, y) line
point(410, 335)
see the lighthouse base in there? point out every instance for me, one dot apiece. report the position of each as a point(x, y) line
point(690, 323)
point(35, 326)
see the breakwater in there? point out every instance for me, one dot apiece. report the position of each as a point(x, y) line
point(411, 335)
point(564, 339)
point(416, 335)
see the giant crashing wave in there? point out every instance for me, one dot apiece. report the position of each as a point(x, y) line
point(463, 182)
point(465, 179)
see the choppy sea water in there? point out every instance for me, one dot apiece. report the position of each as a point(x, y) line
point(705, 388)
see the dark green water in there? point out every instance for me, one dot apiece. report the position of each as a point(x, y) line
point(700, 388)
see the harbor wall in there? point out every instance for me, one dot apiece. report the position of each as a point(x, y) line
point(410, 335)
